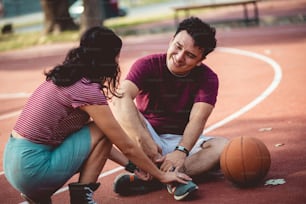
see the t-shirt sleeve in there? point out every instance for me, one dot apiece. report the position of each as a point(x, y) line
point(208, 90)
point(87, 94)
point(139, 72)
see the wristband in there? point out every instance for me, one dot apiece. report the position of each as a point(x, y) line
point(182, 149)
point(130, 167)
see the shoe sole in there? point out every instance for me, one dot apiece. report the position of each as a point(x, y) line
point(30, 201)
point(181, 197)
point(170, 189)
point(27, 198)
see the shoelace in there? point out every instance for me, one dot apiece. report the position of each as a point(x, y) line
point(89, 196)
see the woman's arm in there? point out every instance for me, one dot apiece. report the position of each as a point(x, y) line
point(103, 118)
point(126, 113)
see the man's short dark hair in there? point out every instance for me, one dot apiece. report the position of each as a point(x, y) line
point(202, 33)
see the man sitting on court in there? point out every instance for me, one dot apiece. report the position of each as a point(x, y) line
point(175, 94)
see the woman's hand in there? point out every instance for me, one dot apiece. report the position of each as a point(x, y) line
point(174, 177)
point(145, 176)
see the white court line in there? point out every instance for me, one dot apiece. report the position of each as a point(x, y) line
point(275, 82)
point(10, 115)
point(14, 95)
point(101, 176)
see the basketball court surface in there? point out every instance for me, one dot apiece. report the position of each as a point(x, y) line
point(262, 94)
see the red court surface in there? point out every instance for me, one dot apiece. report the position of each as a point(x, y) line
point(262, 78)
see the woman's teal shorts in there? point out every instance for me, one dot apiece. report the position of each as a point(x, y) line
point(40, 170)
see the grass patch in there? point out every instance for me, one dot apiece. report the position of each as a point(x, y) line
point(24, 40)
point(122, 25)
point(140, 2)
point(128, 22)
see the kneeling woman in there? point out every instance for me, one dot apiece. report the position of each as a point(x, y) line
point(66, 127)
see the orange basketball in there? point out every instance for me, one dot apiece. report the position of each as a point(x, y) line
point(245, 161)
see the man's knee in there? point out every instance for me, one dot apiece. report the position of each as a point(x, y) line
point(217, 143)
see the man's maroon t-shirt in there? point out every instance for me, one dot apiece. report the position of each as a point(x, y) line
point(166, 100)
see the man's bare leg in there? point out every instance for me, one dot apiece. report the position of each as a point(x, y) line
point(206, 159)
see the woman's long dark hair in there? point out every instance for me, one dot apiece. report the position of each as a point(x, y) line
point(94, 59)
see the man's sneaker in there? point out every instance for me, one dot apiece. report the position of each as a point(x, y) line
point(129, 184)
point(181, 191)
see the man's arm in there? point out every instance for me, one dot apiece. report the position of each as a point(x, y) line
point(128, 116)
point(197, 120)
point(194, 128)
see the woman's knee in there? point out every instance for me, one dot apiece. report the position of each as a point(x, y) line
point(96, 134)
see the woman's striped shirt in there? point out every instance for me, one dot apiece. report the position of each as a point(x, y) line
point(52, 112)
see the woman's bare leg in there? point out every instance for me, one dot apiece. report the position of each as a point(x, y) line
point(100, 149)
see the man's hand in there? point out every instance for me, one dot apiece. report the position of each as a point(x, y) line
point(153, 151)
point(173, 161)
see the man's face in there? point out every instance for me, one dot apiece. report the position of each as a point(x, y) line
point(182, 55)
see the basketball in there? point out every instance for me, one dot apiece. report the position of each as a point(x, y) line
point(245, 161)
